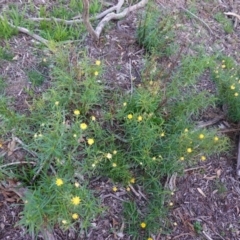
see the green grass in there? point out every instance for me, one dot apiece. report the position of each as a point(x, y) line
point(224, 21)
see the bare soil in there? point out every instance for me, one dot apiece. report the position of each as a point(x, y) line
point(206, 199)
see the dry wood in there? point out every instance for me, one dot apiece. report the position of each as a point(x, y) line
point(238, 158)
point(117, 16)
point(232, 14)
point(26, 31)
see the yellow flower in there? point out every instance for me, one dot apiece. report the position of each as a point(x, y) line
point(114, 164)
point(96, 73)
point(109, 155)
point(201, 136)
point(114, 152)
point(83, 126)
point(189, 150)
point(93, 118)
point(223, 66)
point(76, 184)
point(236, 94)
point(232, 87)
point(216, 139)
point(64, 221)
point(185, 130)
point(143, 225)
point(75, 216)
point(154, 158)
point(76, 200)
point(90, 141)
point(182, 158)
point(149, 238)
point(128, 189)
point(129, 116)
point(139, 118)
point(59, 182)
point(124, 104)
point(132, 180)
point(162, 134)
point(203, 158)
point(57, 103)
point(114, 189)
point(76, 112)
point(98, 62)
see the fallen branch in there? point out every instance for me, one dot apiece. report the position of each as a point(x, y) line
point(238, 158)
point(16, 163)
point(26, 31)
point(211, 122)
point(232, 14)
point(114, 16)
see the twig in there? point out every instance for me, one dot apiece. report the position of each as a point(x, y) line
point(26, 31)
point(131, 79)
point(134, 191)
point(205, 234)
point(211, 122)
point(16, 163)
point(67, 22)
point(112, 195)
point(233, 14)
point(23, 146)
point(229, 130)
point(210, 30)
point(238, 158)
point(196, 168)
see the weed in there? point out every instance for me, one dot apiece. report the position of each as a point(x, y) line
point(5, 54)
point(226, 23)
point(197, 227)
point(156, 33)
point(6, 31)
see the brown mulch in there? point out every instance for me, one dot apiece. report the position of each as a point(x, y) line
point(206, 201)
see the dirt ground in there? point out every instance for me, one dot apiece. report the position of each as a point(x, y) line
point(206, 199)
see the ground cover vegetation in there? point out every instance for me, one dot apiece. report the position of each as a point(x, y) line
point(79, 128)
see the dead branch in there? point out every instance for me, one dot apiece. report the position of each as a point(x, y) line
point(238, 159)
point(16, 163)
point(211, 122)
point(117, 16)
point(26, 31)
point(232, 14)
point(86, 20)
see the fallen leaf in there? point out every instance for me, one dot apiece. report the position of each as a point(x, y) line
point(219, 171)
point(11, 147)
point(201, 192)
point(210, 177)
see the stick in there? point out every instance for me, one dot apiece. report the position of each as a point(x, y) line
point(211, 122)
point(210, 30)
point(232, 14)
point(238, 158)
point(16, 163)
point(26, 31)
